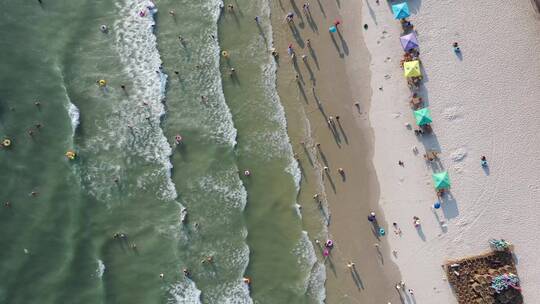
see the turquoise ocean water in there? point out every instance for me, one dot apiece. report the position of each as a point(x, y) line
point(170, 205)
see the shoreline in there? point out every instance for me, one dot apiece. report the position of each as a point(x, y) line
point(338, 71)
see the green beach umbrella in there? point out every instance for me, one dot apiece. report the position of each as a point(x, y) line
point(423, 116)
point(441, 180)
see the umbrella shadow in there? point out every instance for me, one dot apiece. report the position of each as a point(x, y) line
point(414, 6)
point(449, 205)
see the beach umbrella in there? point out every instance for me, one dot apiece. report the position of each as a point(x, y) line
point(332, 29)
point(408, 42)
point(423, 116)
point(400, 10)
point(412, 68)
point(437, 205)
point(441, 180)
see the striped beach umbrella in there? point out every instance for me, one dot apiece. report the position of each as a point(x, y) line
point(423, 116)
point(441, 180)
point(400, 10)
point(409, 41)
point(412, 69)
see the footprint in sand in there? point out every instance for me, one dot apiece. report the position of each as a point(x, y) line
point(458, 155)
point(451, 113)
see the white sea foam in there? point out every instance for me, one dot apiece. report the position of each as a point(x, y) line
point(184, 292)
point(315, 272)
point(317, 278)
point(222, 129)
point(74, 115)
point(72, 109)
point(306, 258)
point(228, 186)
point(270, 77)
point(100, 268)
point(233, 293)
point(137, 47)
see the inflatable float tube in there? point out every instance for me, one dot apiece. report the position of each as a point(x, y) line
point(71, 155)
point(6, 142)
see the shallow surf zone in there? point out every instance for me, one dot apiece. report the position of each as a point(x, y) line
point(140, 113)
point(206, 173)
point(314, 271)
point(184, 292)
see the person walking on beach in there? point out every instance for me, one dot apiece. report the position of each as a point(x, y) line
point(483, 161)
point(305, 7)
point(397, 230)
point(416, 221)
point(456, 47)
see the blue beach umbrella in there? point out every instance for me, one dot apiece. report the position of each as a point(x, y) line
point(332, 29)
point(437, 205)
point(400, 10)
point(409, 42)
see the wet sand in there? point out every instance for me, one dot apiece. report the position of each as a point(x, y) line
point(334, 77)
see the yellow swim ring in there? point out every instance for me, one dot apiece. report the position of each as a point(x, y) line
point(102, 82)
point(6, 142)
point(71, 155)
point(225, 54)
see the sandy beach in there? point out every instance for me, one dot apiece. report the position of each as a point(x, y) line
point(483, 104)
point(333, 78)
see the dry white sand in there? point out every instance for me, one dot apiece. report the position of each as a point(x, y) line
point(486, 103)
